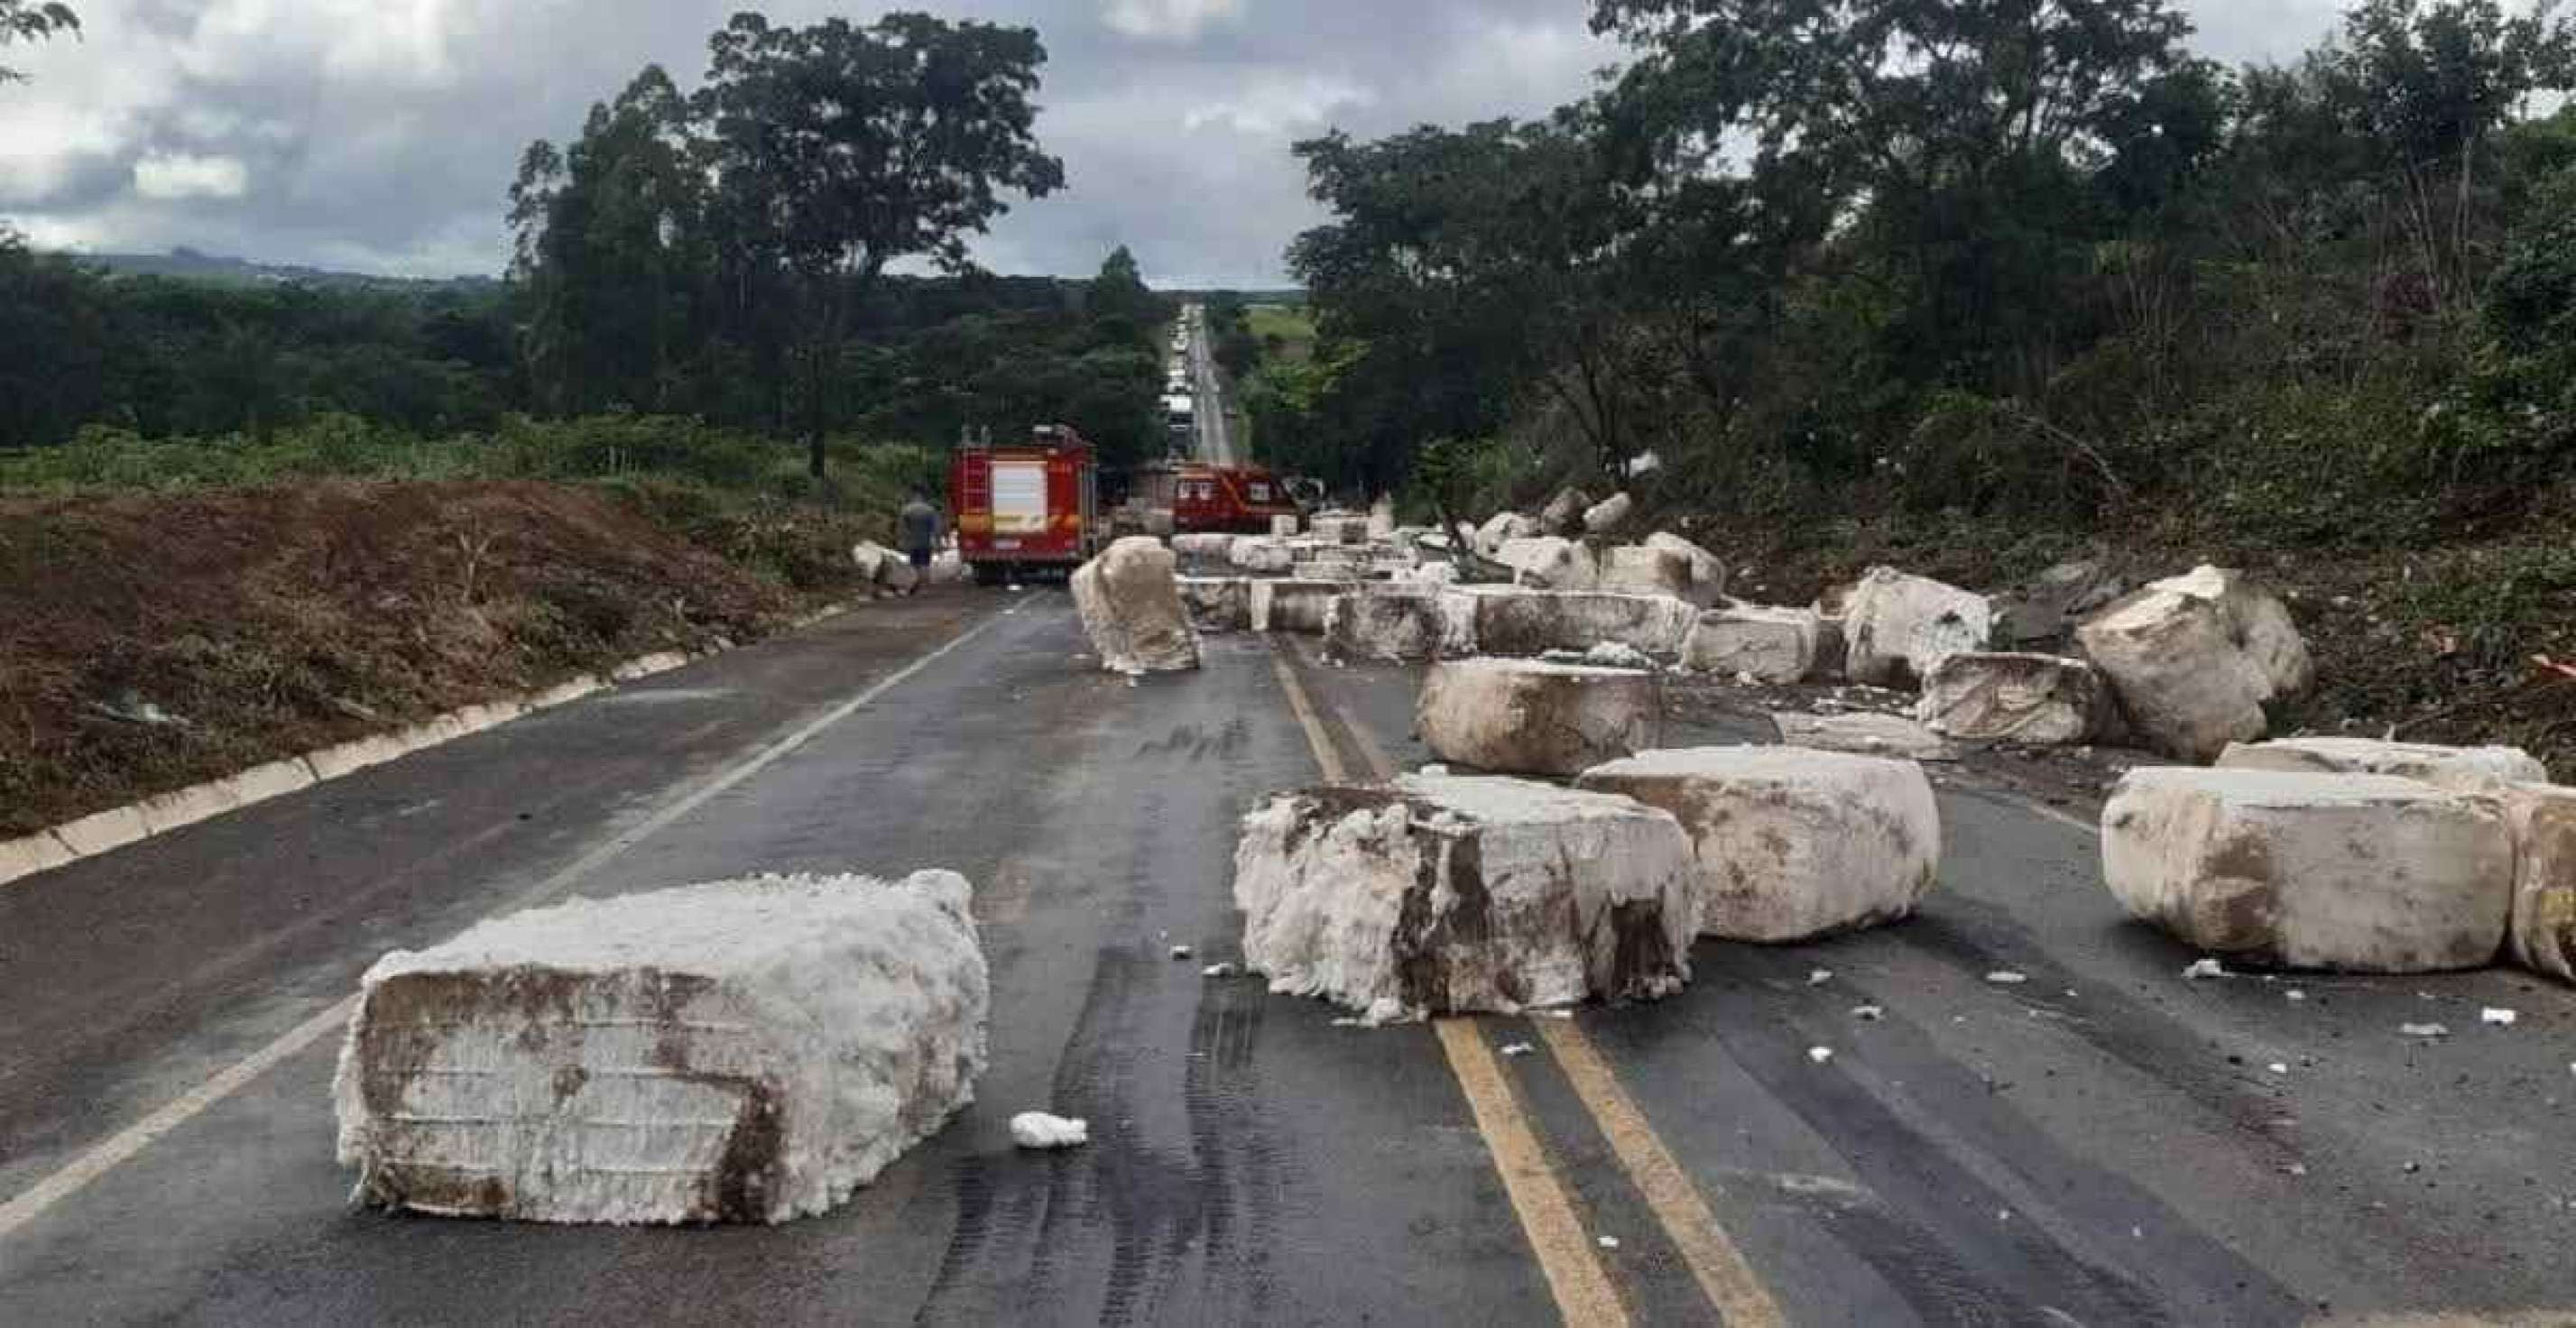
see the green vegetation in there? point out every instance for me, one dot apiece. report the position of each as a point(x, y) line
point(1286, 335)
point(2042, 267)
point(696, 271)
point(1972, 284)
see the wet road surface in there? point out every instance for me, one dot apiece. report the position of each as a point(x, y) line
point(2103, 1143)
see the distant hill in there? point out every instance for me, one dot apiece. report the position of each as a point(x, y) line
point(191, 265)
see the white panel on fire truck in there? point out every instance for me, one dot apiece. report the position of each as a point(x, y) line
point(1019, 497)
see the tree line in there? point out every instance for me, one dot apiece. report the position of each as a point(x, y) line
point(782, 250)
point(1996, 256)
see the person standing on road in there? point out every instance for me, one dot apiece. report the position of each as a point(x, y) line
point(917, 530)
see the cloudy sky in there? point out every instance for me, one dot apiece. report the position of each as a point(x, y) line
point(379, 135)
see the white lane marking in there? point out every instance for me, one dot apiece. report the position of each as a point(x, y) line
point(122, 1147)
point(2062, 818)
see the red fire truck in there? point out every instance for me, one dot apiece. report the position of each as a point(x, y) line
point(1025, 509)
point(1203, 497)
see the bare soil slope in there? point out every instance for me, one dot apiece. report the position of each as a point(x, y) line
point(148, 642)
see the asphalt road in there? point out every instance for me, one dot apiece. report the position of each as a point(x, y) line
point(1215, 427)
point(2101, 1144)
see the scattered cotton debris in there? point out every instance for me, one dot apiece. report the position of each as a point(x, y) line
point(1180, 952)
point(1609, 1242)
point(1517, 1048)
point(2294, 994)
point(2423, 1030)
point(1036, 1129)
point(1617, 655)
point(1869, 1013)
point(2204, 968)
point(1820, 1055)
point(2498, 1015)
point(1218, 971)
point(2277, 1067)
point(1817, 977)
point(2005, 977)
point(2295, 1169)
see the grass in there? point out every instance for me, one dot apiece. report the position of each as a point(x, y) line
point(1285, 331)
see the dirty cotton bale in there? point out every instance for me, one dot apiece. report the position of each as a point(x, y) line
point(1790, 844)
point(1707, 570)
point(1643, 570)
point(1514, 620)
point(1501, 528)
point(1896, 626)
point(1563, 514)
point(1549, 563)
point(2195, 658)
point(1261, 554)
point(1293, 604)
point(2359, 873)
point(1332, 562)
point(1339, 527)
point(750, 1051)
point(1529, 717)
point(2042, 700)
point(1217, 603)
point(1770, 645)
point(1439, 895)
point(2541, 935)
point(1131, 606)
point(2046, 608)
point(1863, 733)
point(1609, 515)
point(2431, 762)
point(1394, 624)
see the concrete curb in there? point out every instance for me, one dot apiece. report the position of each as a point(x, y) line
point(107, 831)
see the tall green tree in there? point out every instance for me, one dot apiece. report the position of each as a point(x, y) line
point(838, 149)
point(611, 249)
point(1118, 301)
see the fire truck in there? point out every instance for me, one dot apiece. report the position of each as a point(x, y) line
point(1025, 509)
point(1211, 498)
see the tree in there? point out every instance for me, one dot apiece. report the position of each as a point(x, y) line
point(2429, 86)
point(838, 149)
point(1964, 137)
point(30, 21)
point(1117, 300)
point(610, 247)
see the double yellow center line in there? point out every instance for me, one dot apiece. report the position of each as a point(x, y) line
point(1569, 1259)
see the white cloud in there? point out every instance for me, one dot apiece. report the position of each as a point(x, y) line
point(1167, 20)
point(171, 177)
point(1280, 104)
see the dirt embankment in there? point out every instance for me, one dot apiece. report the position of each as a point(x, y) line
point(149, 642)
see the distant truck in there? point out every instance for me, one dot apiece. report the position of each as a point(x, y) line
point(1026, 509)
